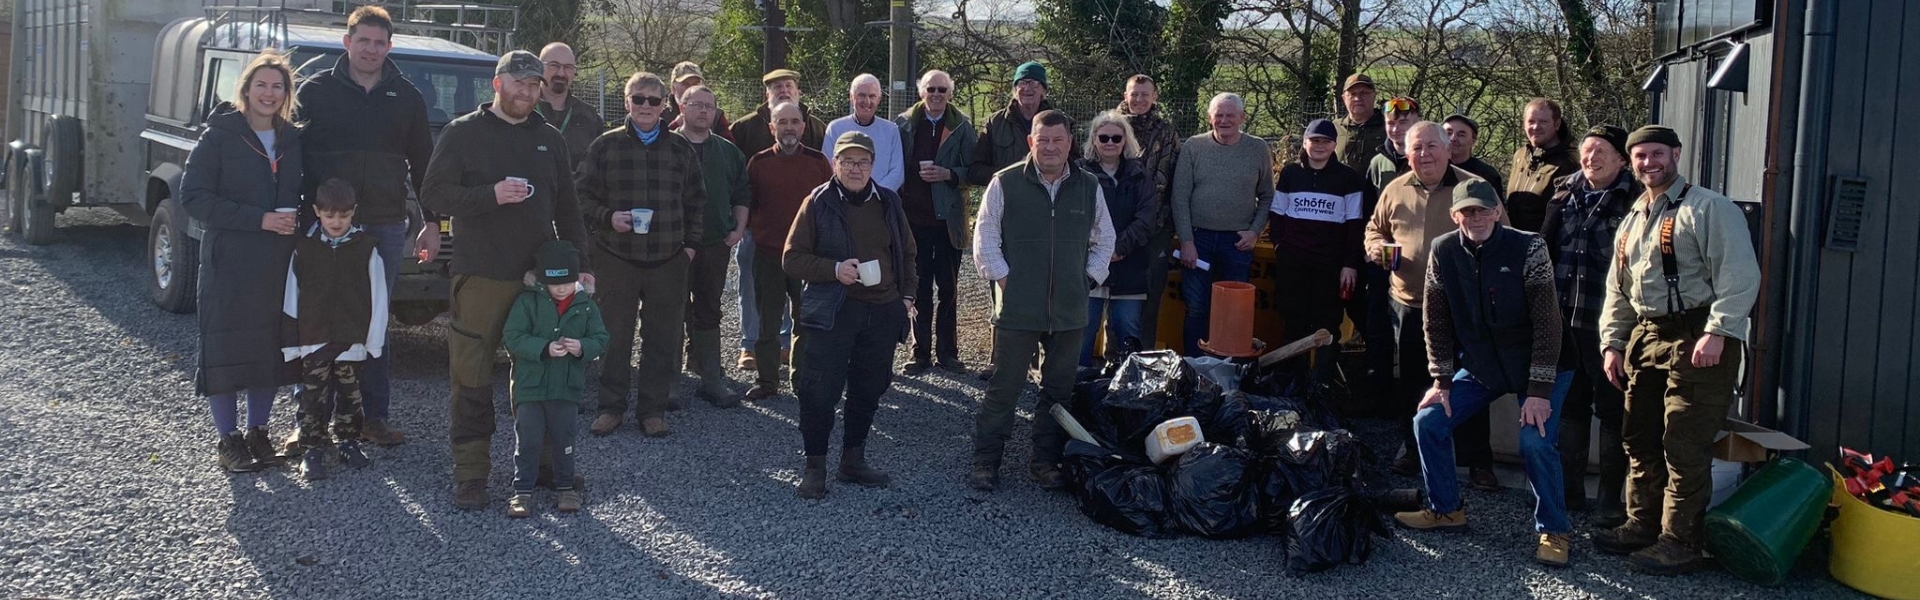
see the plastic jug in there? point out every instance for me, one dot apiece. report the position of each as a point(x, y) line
point(1174, 437)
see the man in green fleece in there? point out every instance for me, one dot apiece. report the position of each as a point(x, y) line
point(503, 175)
point(725, 169)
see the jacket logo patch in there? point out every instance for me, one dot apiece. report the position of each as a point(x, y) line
point(392, 95)
point(541, 148)
point(1505, 270)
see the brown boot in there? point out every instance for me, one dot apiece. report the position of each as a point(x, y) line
point(655, 427)
point(854, 469)
point(1427, 520)
point(379, 433)
point(470, 494)
point(746, 362)
point(1667, 557)
point(813, 479)
point(605, 423)
point(1625, 539)
point(1555, 550)
point(761, 391)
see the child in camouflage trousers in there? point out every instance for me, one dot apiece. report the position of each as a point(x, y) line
point(337, 299)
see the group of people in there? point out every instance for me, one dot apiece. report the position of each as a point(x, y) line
point(1571, 282)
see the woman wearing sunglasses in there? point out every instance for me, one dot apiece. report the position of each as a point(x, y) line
point(1113, 156)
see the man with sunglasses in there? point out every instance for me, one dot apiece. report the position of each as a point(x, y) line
point(937, 144)
point(577, 121)
point(643, 191)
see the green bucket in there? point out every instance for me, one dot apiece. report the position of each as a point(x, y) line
point(1759, 532)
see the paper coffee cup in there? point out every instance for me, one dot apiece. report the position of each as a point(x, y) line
point(1393, 253)
point(286, 209)
point(642, 220)
point(870, 273)
point(926, 163)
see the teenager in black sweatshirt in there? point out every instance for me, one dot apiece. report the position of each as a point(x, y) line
point(1316, 227)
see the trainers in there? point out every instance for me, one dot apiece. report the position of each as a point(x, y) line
point(232, 454)
point(655, 427)
point(1553, 550)
point(761, 391)
point(351, 454)
point(1483, 479)
point(260, 445)
point(313, 464)
point(520, 506)
point(918, 366)
point(1048, 476)
point(567, 501)
point(378, 433)
point(1667, 557)
point(746, 362)
point(470, 494)
point(984, 478)
point(605, 424)
point(1427, 520)
point(1625, 539)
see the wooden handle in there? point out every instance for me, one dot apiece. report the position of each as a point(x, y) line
point(1298, 347)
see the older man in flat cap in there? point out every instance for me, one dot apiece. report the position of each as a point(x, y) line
point(1683, 281)
point(753, 135)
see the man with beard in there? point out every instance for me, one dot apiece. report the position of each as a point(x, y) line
point(505, 177)
point(755, 135)
point(779, 179)
point(889, 169)
point(577, 121)
point(366, 124)
point(643, 192)
point(1159, 151)
point(1674, 323)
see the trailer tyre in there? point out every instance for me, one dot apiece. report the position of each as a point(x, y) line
point(62, 160)
point(36, 218)
point(173, 259)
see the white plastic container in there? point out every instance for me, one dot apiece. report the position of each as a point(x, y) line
point(1173, 438)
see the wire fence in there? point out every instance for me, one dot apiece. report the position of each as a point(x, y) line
point(1273, 121)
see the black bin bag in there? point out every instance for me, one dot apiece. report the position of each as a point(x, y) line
point(1126, 493)
point(1330, 527)
point(1211, 492)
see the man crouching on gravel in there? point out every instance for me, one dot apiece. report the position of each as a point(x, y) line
point(504, 176)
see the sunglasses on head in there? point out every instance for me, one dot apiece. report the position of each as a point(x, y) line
point(934, 89)
point(1400, 105)
point(640, 100)
point(1111, 139)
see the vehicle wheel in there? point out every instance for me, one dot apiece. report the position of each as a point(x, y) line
point(36, 218)
point(61, 162)
point(173, 259)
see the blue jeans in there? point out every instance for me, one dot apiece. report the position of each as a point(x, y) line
point(1539, 454)
point(376, 374)
point(1196, 286)
point(750, 312)
point(1123, 321)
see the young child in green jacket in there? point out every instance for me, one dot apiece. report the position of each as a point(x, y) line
point(552, 331)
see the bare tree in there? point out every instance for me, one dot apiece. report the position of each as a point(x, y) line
point(653, 34)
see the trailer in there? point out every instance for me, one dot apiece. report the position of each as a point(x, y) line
point(114, 95)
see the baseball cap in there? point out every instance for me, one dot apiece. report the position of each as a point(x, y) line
point(853, 140)
point(1321, 128)
point(1358, 79)
point(520, 64)
point(1474, 192)
point(686, 69)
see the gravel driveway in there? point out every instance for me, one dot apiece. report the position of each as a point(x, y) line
point(108, 489)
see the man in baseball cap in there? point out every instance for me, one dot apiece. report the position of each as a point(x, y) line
point(683, 76)
point(1318, 205)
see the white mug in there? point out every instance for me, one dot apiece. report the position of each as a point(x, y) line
point(870, 273)
point(523, 181)
point(642, 220)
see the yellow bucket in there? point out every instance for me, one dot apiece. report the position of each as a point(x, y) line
point(1874, 550)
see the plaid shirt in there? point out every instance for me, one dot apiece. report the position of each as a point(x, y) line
point(1579, 229)
point(621, 173)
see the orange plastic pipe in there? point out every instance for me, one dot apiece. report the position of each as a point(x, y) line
point(1230, 319)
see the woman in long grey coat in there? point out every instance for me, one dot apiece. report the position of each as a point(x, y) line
point(242, 182)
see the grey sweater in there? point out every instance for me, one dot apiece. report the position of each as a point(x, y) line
point(1222, 188)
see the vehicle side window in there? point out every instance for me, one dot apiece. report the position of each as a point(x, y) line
point(225, 75)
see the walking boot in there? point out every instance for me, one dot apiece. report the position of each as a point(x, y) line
point(984, 477)
point(234, 456)
point(813, 479)
point(1628, 538)
point(1667, 557)
point(713, 379)
point(260, 445)
point(854, 469)
point(470, 494)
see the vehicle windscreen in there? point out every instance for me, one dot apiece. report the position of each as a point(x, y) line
point(451, 89)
